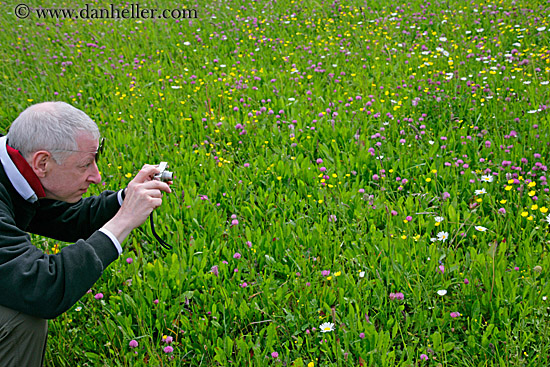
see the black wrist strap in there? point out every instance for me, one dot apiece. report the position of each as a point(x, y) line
point(160, 240)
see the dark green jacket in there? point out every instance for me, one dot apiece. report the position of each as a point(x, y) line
point(47, 285)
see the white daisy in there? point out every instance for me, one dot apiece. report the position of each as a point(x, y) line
point(487, 178)
point(548, 218)
point(326, 327)
point(442, 236)
point(480, 192)
point(442, 292)
point(480, 228)
point(439, 219)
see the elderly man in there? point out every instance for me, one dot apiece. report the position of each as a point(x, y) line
point(48, 161)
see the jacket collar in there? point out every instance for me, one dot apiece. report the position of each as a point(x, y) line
point(20, 173)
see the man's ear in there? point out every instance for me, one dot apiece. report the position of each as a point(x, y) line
point(40, 162)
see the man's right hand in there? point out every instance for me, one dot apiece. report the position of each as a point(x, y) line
point(143, 195)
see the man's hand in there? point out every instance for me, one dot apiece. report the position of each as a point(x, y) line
point(143, 195)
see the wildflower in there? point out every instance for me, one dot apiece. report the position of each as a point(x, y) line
point(442, 236)
point(98, 296)
point(332, 218)
point(244, 285)
point(548, 218)
point(362, 335)
point(455, 314)
point(538, 268)
point(156, 302)
point(442, 292)
point(487, 178)
point(480, 192)
point(423, 357)
point(167, 339)
point(325, 273)
point(397, 296)
point(442, 269)
point(275, 355)
point(502, 211)
point(237, 255)
point(466, 281)
point(326, 327)
point(133, 343)
point(129, 260)
point(168, 349)
point(439, 219)
point(480, 228)
point(214, 270)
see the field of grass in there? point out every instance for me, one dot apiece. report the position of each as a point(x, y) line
point(357, 183)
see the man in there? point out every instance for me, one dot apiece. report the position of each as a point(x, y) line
point(48, 161)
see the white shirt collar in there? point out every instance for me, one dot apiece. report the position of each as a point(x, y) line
point(15, 177)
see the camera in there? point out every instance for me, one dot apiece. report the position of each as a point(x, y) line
point(163, 175)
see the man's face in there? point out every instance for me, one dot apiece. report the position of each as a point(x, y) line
point(70, 180)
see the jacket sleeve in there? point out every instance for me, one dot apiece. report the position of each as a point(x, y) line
point(44, 285)
point(71, 222)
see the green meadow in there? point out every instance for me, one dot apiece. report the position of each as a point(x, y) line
point(356, 183)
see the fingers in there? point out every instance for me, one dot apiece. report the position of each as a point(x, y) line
point(146, 173)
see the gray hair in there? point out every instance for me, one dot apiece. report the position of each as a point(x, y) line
point(50, 126)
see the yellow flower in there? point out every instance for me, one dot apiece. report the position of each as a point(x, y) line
point(128, 175)
point(338, 273)
point(524, 214)
point(508, 188)
point(532, 184)
point(532, 193)
point(428, 179)
point(404, 237)
point(329, 278)
point(543, 209)
point(503, 201)
point(310, 364)
point(534, 207)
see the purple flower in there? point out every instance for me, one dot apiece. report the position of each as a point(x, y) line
point(442, 269)
point(168, 349)
point(234, 222)
point(397, 296)
point(423, 357)
point(409, 218)
point(455, 314)
point(319, 161)
point(237, 255)
point(325, 273)
point(445, 195)
point(361, 191)
point(167, 339)
point(98, 296)
point(156, 302)
point(133, 343)
point(466, 281)
point(393, 213)
point(244, 285)
point(214, 270)
point(129, 260)
point(362, 335)
point(275, 355)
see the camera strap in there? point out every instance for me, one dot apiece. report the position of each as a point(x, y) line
point(163, 243)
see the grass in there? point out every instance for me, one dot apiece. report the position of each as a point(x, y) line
point(319, 141)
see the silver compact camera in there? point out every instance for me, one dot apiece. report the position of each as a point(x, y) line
point(163, 175)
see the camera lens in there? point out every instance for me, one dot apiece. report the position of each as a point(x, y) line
point(166, 176)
